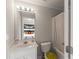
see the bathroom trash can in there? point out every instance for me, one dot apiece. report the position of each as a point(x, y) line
point(50, 55)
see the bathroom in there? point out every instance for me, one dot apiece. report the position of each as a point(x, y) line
point(31, 24)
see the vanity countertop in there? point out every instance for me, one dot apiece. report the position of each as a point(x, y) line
point(24, 49)
point(23, 45)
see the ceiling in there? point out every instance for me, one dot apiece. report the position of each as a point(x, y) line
point(56, 4)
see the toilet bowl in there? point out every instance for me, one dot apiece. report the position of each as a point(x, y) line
point(45, 48)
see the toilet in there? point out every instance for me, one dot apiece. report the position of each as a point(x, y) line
point(45, 48)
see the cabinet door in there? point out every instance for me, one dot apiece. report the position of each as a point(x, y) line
point(24, 53)
point(20, 57)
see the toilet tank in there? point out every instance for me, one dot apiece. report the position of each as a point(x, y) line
point(45, 46)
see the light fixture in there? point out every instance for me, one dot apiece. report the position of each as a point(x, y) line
point(23, 8)
point(29, 19)
point(18, 7)
point(28, 9)
point(32, 9)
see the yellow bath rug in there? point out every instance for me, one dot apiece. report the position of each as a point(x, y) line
point(50, 55)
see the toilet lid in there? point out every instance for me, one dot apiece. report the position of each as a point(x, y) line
point(45, 43)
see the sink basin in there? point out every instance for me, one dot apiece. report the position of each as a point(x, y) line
point(25, 43)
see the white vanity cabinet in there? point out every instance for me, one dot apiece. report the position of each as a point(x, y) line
point(29, 52)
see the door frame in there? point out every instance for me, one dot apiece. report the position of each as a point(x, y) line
point(68, 25)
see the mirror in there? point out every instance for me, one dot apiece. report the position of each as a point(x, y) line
point(26, 26)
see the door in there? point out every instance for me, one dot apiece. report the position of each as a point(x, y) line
point(67, 30)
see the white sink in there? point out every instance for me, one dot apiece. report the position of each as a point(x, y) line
point(21, 44)
point(24, 49)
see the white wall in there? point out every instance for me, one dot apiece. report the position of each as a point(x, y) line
point(43, 21)
point(9, 25)
point(10, 21)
